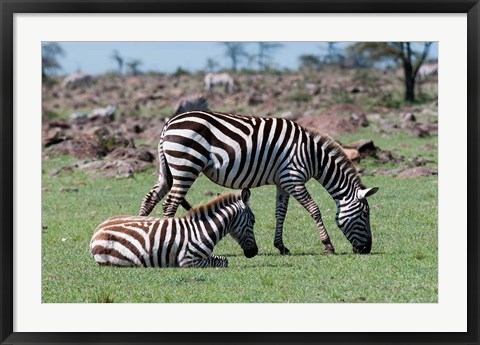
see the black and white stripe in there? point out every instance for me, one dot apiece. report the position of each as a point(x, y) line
point(239, 151)
point(176, 242)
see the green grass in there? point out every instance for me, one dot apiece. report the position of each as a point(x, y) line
point(403, 265)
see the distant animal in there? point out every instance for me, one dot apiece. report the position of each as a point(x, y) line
point(238, 151)
point(427, 70)
point(107, 112)
point(223, 79)
point(76, 79)
point(177, 242)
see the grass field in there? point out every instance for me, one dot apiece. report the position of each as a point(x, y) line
point(403, 265)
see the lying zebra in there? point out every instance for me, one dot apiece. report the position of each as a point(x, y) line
point(177, 242)
point(238, 151)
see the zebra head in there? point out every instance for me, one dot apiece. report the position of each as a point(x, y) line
point(242, 226)
point(353, 218)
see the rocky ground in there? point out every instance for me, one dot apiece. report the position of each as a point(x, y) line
point(112, 124)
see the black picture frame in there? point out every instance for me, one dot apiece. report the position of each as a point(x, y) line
point(9, 7)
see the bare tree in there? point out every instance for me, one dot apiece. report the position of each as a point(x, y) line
point(133, 66)
point(236, 52)
point(211, 65)
point(51, 51)
point(309, 62)
point(333, 55)
point(410, 59)
point(116, 56)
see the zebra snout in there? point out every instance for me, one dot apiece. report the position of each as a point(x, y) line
point(365, 249)
point(250, 252)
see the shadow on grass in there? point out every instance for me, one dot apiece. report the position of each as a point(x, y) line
point(303, 254)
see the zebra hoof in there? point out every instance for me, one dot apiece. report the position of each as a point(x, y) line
point(329, 250)
point(284, 251)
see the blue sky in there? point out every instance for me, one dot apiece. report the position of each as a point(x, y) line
point(96, 57)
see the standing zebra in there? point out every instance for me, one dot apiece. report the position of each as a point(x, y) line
point(222, 79)
point(176, 242)
point(239, 151)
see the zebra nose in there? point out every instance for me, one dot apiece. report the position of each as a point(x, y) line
point(250, 252)
point(365, 249)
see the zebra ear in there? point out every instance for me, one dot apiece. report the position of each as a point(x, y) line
point(363, 193)
point(245, 195)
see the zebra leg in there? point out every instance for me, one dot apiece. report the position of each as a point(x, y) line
point(280, 212)
point(300, 193)
point(176, 195)
point(151, 199)
point(211, 261)
point(216, 261)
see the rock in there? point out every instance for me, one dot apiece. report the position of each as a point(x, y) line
point(385, 156)
point(352, 154)
point(328, 124)
point(53, 136)
point(123, 153)
point(388, 125)
point(417, 172)
point(114, 168)
point(365, 147)
point(312, 88)
point(419, 161)
point(386, 172)
point(81, 147)
point(359, 120)
point(420, 131)
point(59, 124)
point(289, 115)
point(255, 98)
point(428, 147)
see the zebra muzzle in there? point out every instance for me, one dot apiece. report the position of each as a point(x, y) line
point(250, 252)
point(365, 249)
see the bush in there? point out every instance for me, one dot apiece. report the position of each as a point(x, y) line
point(342, 96)
point(299, 97)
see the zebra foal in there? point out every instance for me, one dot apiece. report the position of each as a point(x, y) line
point(177, 242)
point(239, 151)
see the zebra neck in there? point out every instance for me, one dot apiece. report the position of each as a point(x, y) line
point(335, 171)
point(218, 222)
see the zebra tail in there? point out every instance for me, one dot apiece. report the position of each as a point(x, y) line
point(195, 102)
point(165, 171)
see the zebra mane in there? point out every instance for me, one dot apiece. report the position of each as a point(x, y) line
point(195, 102)
point(225, 199)
point(331, 146)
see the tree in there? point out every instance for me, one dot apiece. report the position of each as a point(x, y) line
point(309, 62)
point(211, 65)
point(333, 56)
point(402, 52)
point(236, 52)
point(116, 56)
point(356, 59)
point(265, 51)
point(51, 51)
point(133, 66)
